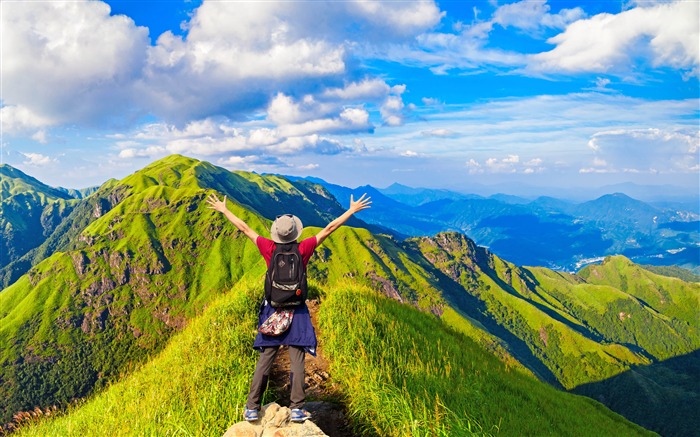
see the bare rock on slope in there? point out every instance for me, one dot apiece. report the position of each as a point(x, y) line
point(274, 422)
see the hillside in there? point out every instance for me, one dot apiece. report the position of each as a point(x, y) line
point(142, 258)
point(584, 330)
point(29, 212)
point(150, 256)
point(433, 381)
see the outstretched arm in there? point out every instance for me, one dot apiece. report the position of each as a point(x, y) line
point(355, 206)
point(220, 205)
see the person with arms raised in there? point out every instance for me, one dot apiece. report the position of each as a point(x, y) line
point(284, 318)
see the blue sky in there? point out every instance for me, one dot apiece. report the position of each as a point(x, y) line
point(436, 94)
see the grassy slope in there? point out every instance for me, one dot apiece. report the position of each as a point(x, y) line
point(431, 381)
point(614, 332)
point(196, 386)
point(573, 323)
point(153, 258)
point(156, 257)
point(29, 212)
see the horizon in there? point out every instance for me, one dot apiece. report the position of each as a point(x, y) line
point(526, 192)
point(560, 95)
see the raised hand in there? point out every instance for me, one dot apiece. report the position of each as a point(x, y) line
point(360, 204)
point(216, 204)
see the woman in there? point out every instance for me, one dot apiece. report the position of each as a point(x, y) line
point(300, 336)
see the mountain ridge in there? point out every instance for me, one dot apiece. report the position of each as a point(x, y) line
point(156, 258)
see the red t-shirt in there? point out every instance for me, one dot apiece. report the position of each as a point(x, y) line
point(267, 247)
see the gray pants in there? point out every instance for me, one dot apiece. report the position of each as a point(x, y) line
point(262, 374)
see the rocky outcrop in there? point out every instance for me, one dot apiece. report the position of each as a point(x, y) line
point(274, 422)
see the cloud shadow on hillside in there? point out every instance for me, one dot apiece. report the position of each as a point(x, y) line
point(663, 397)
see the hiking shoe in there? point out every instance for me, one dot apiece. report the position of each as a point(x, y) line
point(250, 415)
point(299, 415)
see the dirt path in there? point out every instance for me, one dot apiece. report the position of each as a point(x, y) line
point(323, 399)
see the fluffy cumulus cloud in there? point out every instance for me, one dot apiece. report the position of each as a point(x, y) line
point(621, 44)
point(650, 150)
point(253, 163)
point(20, 119)
point(224, 141)
point(234, 58)
point(663, 35)
point(55, 73)
point(38, 160)
point(237, 55)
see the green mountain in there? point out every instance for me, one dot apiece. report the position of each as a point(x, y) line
point(145, 255)
point(400, 371)
point(611, 319)
point(143, 259)
point(29, 212)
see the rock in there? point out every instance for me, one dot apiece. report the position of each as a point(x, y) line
point(274, 422)
point(242, 429)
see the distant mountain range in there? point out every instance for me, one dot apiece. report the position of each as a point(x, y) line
point(140, 259)
point(548, 232)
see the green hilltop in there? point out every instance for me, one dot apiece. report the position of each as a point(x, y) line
point(29, 211)
point(142, 267)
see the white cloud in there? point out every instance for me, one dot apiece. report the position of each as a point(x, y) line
point(392, 108)
point(235, 57)
point(310, 143)
point(211, 138)
point(625, 44)
point(368, 89)
point(532, 16)
point(430, 101)
point(509, 164)
point(40, 137)
point(608, 43)
point(403, 18)
point(147, 152)
point(442, 133)
point(473, 166)
point(466, 50)
point(38, 160)
point(356, 117)
point(64, 73)
point(511, 159)
point(253, 163)
point(554, 134)
point(409, 153)
point(646, 150)
point(18, 119)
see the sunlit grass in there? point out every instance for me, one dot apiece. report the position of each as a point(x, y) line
point(196, 387)
point(406, 373)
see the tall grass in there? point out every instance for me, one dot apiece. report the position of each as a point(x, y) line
point(196, 386)
point(402, 373)
point(405, 373)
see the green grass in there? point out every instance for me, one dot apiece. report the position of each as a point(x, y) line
point(401, 371)
point(197, 386)
point(123, 283)
point(405, 373)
